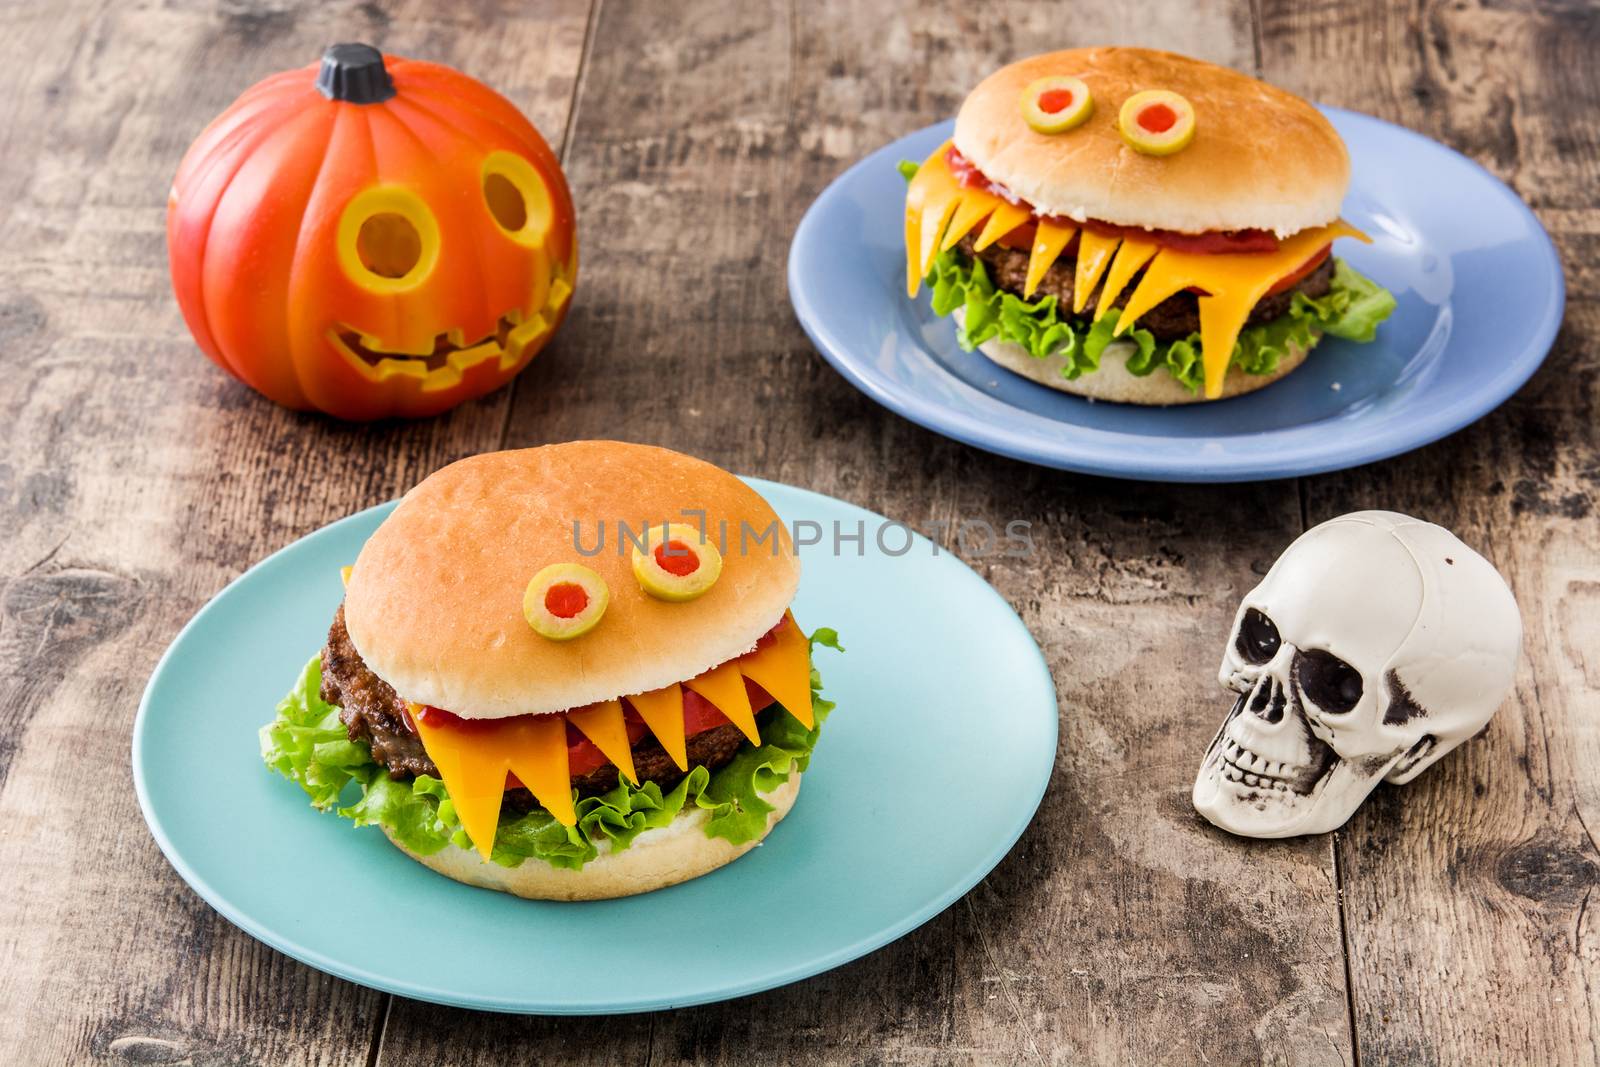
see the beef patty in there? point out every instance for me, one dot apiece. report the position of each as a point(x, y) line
point(1174, 318)
point(373, 712)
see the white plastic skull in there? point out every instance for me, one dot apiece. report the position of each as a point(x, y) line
point(1375, 644)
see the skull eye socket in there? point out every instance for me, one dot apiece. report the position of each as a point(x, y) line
point(1331, 684)
point(1258, 638)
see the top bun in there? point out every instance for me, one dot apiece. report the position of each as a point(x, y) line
point(434, 603)
point(1261, 158)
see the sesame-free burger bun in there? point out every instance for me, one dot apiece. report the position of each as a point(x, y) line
point(1113, 381)
point(1261, 158)
point(657, 858)
point(434, 602)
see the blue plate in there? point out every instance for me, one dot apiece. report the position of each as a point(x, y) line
point(1480, 297)
point(926, 774)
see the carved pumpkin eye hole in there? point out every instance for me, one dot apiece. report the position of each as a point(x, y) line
point(505, 202)
point(388, 240)
point(517, 198)
point(1258, 639)
point(1327, 681)
point(389, 245)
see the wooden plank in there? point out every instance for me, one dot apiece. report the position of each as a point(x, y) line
point(1468, 892)
point(1122, 928)
point(137, 480)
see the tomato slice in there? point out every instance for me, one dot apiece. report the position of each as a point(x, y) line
point(1302, 273)
point(1224, 242)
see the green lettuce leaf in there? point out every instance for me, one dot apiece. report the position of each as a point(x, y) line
point(1352, 309)
point(306, 743)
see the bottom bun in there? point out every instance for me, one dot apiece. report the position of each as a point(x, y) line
point(1114, 382)
point(657, 858)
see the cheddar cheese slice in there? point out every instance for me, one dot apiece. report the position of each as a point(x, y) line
point(536, 752)
point(1006, 218)
point(724, 687)
point(662, 711)
point(473, 770)
point(940, 211)
point(1050, 239)
point(1094, 256)
point(474, 759)
point(1233, 283)
point(1131, 256)
point(930, 201)
point(975, 206)
point(913, 265)
point(783, 669)
point(605, 726)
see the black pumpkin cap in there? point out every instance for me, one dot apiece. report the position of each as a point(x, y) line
point(354, 73)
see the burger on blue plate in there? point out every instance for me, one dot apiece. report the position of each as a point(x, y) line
point(567, 672)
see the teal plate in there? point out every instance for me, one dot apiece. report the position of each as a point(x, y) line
point(926, 774)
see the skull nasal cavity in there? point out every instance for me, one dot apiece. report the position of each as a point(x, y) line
point(389, 245)
point(505, 202)
point(1267, 702)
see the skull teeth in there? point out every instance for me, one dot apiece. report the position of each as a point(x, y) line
point(1234, 774)
point(1239, 764)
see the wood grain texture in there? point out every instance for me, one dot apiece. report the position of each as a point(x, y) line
point(1468, 893)
point(1122, 928)
point(136, 481)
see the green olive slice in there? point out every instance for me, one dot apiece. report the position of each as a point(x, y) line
point(677, 563)
point(565, 600)
point(1156, 122)
point(1056, 104)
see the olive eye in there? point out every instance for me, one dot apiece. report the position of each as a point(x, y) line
point(1258, 638)
point(1328, 681)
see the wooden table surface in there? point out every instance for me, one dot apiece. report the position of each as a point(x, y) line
point(1448, 922)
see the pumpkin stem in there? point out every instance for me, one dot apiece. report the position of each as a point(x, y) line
point(354, 73)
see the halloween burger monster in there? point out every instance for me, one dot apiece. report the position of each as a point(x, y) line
point(527, 696)
point(1138, 226)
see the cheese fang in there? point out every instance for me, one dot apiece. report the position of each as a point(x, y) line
point(1049, 241)
point(1094, 255)
point(1233, 284)
point(604, 725)
point(913, 228)
point(973, 209)
point(724, 687)
point(475, 758)
point(473, 766)
point(930, 201)
point(1131, 256)
point(662, 711)
point(536, 752)
point(783, 669)
point(1006, 218)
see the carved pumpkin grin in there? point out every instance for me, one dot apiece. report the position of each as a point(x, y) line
point(515, 339)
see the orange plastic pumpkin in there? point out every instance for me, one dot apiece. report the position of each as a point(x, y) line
point(380, 237)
